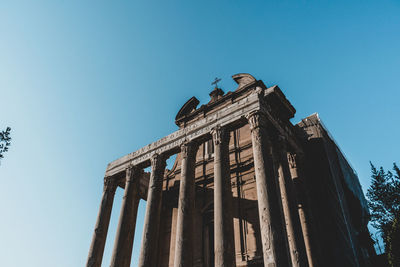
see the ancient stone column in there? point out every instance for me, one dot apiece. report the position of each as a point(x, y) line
point(294, 162)
point(269, 226)
point(184, 231)
point(292, 222)
point(122, 252)
point(103, 220)
point(224, 246)
point(148, 253)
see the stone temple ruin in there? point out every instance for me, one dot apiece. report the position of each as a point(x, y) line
point(248, 188)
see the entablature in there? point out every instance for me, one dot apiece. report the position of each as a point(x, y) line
point(228, 111)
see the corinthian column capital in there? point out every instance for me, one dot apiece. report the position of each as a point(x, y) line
point(219, 135)
point(158, 163)
point(131, 172)
point(292, 159)
point(110, 184)
point(157, 160)
point(255, 119)
point(188, 149)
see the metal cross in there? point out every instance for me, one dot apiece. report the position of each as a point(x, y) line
point(216, 81)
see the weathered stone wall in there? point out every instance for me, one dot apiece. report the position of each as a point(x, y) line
point(337, 203)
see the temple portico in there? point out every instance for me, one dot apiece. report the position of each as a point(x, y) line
point(235, 160)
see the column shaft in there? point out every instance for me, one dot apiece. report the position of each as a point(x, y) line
point(306, 236)
point(270, 227)
point(148, 253)
point(224, 246)
point(292, 222)
point(184, 231)
point(302, 203)
point(122, 252)
point(103, 220)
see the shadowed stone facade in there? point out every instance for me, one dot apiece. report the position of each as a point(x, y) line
point(248, 188)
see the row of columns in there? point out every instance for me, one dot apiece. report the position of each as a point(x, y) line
point(271, 162)
point(264, 161)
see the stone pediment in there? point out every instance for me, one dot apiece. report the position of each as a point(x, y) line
point(186, 109)
point(243, 79)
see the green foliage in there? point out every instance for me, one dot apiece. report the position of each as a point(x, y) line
point(384, 203)
point(5, 141)
point(393, 243)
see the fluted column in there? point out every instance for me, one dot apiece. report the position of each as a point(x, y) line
point(148, 253)
point(185, 227)
point(224, 247)
point(292, 222)
point(263, 167)
point(122, 252)
point(103, 220)
point(294, 162)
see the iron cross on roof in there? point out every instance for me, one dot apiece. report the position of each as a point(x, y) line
point(216, 81)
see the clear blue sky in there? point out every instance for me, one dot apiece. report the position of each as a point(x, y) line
point(85, 82)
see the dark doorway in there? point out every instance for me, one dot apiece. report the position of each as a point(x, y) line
point(208, 236)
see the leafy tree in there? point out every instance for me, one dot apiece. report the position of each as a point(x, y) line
point(5, 141)
point(393, 243)
point(384, 203)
